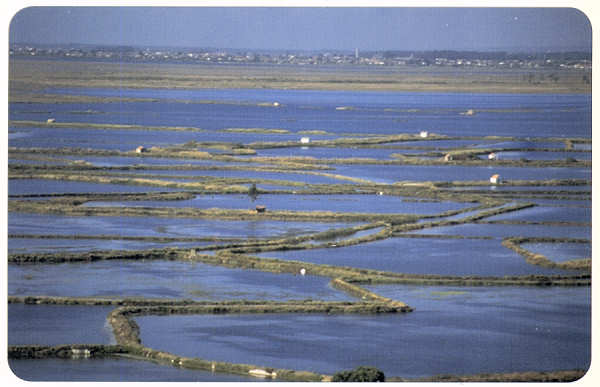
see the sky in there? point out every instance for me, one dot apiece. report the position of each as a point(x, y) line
point(303, 28)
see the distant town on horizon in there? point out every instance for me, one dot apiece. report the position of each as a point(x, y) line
point(578, 59)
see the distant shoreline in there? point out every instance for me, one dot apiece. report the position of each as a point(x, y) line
point(28, 76)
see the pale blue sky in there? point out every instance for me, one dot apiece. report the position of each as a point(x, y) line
point(307, 28)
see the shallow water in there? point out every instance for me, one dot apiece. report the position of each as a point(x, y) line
point(394, 173)
point(165, 279)
point(323, 152)
point(509, 230)
point(563, 203)
point(299, 177)
point(549, 115)
point(587, 147)
point(112, 370)
point(453, 330)
point(45, 187)
point(111, 161)
point(336, 203)
point(478, 331)
point(130, 139)
point(22, 223)
point(542, 155)
point(16, 160)
point(442, 144)
point(560, 252)
point(461, 257)
point(43, 245)
point(58, 324)
point(547, 214)
point(375, 112)
point(525, 144)
point(576, 188)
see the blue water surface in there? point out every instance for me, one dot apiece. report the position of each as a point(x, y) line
point(551, 115)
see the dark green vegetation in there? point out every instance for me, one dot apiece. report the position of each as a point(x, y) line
point(360, 374)
point(541, 377)
point(187, 181)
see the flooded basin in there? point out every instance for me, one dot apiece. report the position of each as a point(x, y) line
point(532, 188)
point(552, 115)
point(560, 252)
point(58, 324)
point(337, 152)
point(470, 331)
point(442, 143)
point(112, 161)
point(393, 173)
point(129, 139)
point(574, 203)
point(17, 160)
point(509, 230)
point(422, 256)
point(48, 245)
point(22, 223)
point(165, 279)
point(524, 144)
point(112, 370)
point(111, 139)
point(298, 202)
point(547, 214)
point(249, 174)
point(505, 155)
point(46, 186)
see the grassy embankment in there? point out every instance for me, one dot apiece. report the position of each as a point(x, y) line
point(108, 351)
point(139, 352)
point(27, 76)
